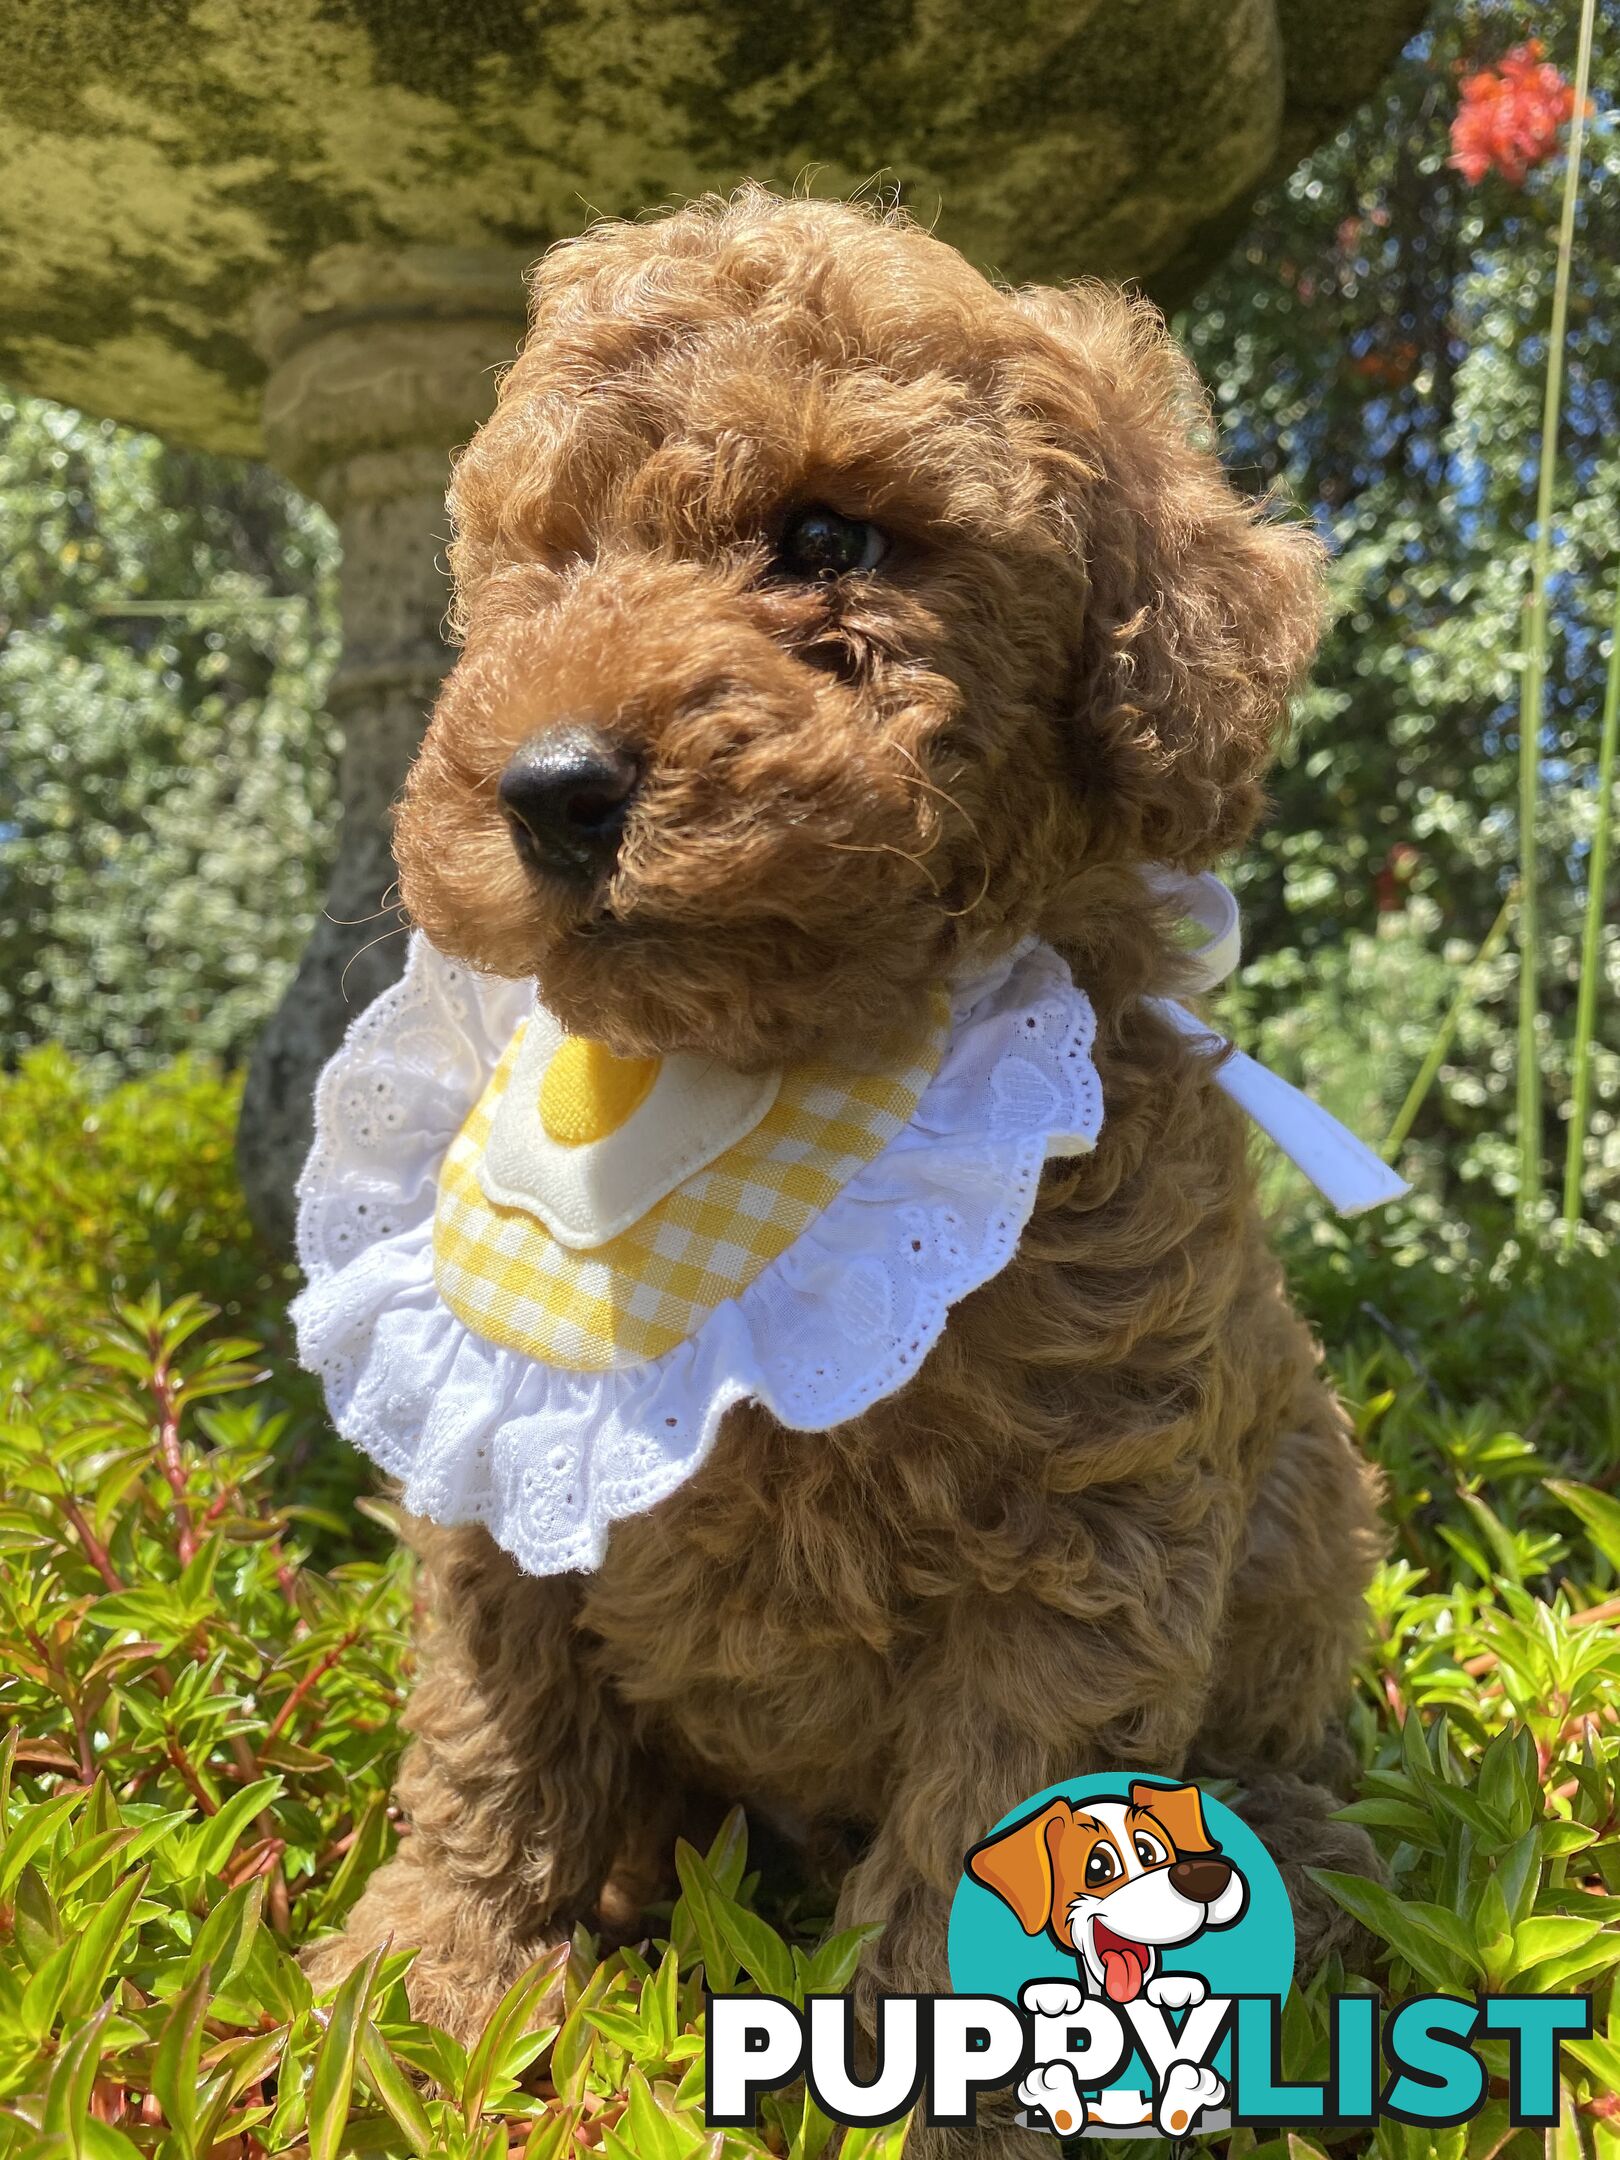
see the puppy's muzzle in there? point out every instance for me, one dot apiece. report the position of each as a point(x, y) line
point(566, 795)
point(1203, 1879)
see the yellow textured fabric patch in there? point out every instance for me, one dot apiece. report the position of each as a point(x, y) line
point(504, 1275)
point(588, 1093)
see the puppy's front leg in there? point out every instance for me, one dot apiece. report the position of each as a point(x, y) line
point(1013, 1696)
point(522, 1786)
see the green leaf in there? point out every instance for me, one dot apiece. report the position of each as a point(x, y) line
point(394, 2089)
point(174, 2066)
point(727, 1857)
point(1412, 1929)
point(127, 1844)
point(758, 1949)
point(1507, 1781)
point(1412, 1822)
point(42, 1997)
point(1553, 1935)
point(1557, 1975)
point(225, 1941)
point(552, 2137)
point(1468, 1807)
point(833, 1966)
point(1598, 1511)
point(703, 1897)
point(814, 2132)
point(1493, 1931)
point(234, 2067)
point(100, 2141)
point(72, 2079)
point(331, 2077)
point(576, 2043)
point(625, 2029)
point(511, 2018)
point(646, 2130)
point(96, 1949)
point(32, 1834)
point(1518, 1870)
point(358, 1863)
point(732, 1935)
point(662, 2001)
point(210, 1846)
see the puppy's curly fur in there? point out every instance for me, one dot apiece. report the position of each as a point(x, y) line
point(1117, 1521)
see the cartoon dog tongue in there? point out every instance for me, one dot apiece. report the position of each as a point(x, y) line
point(1124, 1965)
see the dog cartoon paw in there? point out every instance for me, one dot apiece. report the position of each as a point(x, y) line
point(1052, 1998)
point(1176, 1991)
point(1052, 2087)
point(1189, 2088)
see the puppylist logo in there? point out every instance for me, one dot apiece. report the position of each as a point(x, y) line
point(1120, 1948)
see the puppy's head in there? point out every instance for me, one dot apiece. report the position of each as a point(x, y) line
point(1115, 1881)
point(830, 616)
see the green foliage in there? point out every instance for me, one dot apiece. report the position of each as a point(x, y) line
point(1377, 346)
point(106, 1193)
point(167, 629)
point(201, 1735)
point(1487, 1713)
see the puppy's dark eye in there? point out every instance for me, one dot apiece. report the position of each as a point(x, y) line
point(1101, 1866)
point(820, 543)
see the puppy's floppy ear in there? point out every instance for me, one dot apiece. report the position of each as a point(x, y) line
point(1201, 610)
point(1017, 1865)
point(1179, 1811)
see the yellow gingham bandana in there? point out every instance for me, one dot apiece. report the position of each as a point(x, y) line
point(651, 1287)
point(540, 1276)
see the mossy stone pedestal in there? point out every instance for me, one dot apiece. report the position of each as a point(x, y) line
point(296, 229)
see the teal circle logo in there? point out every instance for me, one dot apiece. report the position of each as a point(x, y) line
point(1114, 1907)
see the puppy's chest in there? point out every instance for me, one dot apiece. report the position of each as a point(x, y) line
point(762, 1620)
point(761, 1690)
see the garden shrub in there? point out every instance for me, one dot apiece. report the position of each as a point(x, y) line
point(169, 623)
point(105, 1192)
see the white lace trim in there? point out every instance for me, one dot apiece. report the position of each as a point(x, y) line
point(549, 1460)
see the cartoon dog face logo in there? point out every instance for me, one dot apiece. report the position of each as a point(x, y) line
point(1115, 1881)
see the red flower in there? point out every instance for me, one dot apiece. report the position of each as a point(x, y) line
point(1509, 117)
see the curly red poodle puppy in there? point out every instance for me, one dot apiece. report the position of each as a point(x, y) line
point(878, 618)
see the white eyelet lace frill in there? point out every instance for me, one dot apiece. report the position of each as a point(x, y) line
point(548, 1459)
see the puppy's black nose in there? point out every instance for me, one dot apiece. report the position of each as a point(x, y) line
point(1203, 1879)
point(566, 795)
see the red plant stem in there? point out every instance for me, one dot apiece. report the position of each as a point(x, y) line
point(285, 1575)
point(193, 1783)
point(335, 1851)
point(257, 1860)
point(94, 1551)
point(277, 1902)
point(312, 1679)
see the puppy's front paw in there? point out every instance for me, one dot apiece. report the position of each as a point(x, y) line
point(1053, 2088)
point(1175, 1991)
point(1188, 2088)
point(1052, 1998)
